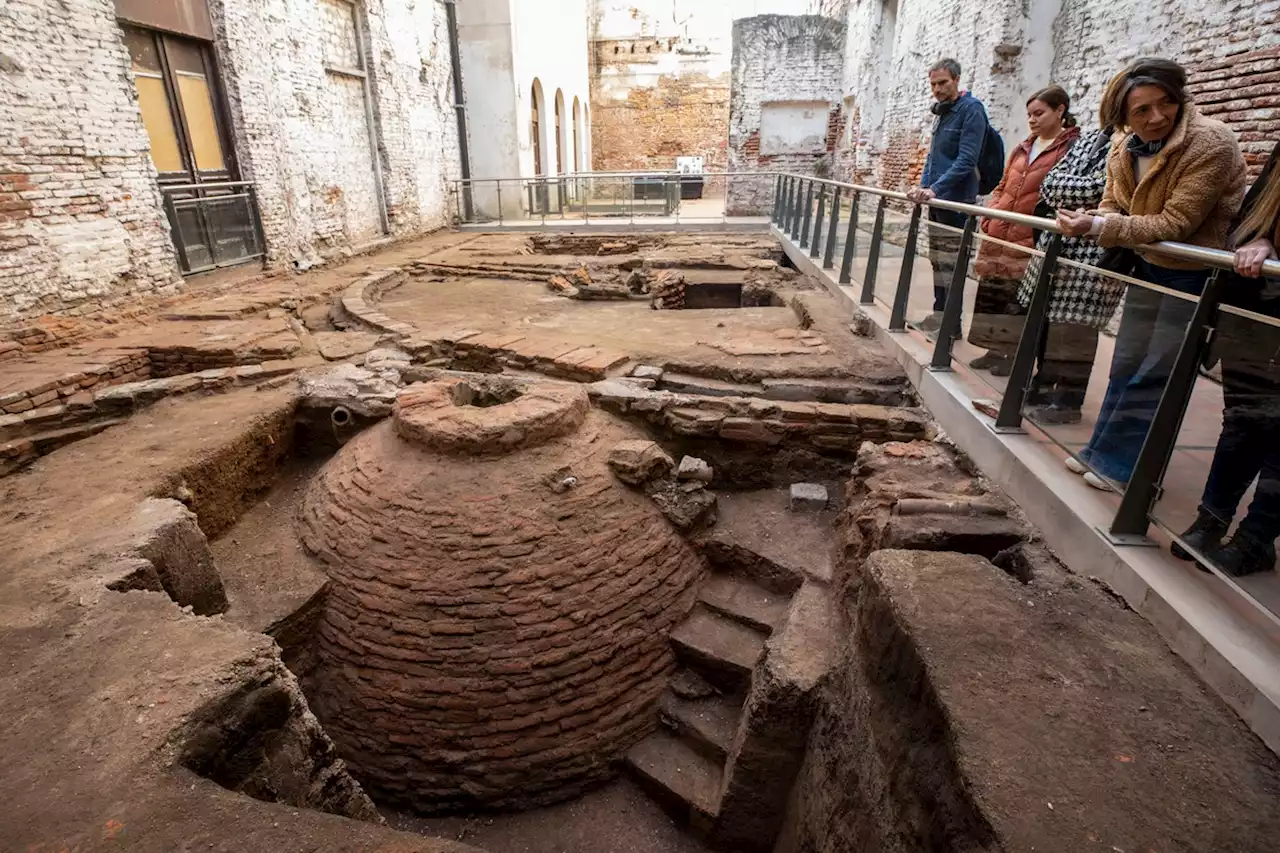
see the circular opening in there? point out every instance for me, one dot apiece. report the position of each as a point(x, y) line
point(340, 416)
point(484, 397)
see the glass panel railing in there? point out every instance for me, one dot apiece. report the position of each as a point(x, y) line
point(1220, 497)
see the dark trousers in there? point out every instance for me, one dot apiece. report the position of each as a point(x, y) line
point(944, 252)
point(1249, 445)
point(998, 317)
point(1064, 362)
point(1152, 327)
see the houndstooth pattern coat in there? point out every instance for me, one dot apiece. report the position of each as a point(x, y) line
point(1077, 181)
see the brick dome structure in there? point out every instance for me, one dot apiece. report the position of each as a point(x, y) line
point(495, 635)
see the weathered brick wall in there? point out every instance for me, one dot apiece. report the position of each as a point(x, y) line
point(81, 223)
point(652, 102)
point(784, 60)
point(300, 128)
point(1009, 50)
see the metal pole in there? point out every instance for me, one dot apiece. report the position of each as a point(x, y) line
point(777, 196)
point(379, 189)
point(784, 196)
point(828, 257)
point(815, 239)
point(850, 242)
point(950, 328)
point(586, 204)
point(460, 107)
point(1133, 518)
point(898, 316)
point(1009, 418)
point(868, 296)
point(808, 217)
point(790, 225)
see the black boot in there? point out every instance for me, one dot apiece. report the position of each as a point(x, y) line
point(1244, 555)
point(1204, 534)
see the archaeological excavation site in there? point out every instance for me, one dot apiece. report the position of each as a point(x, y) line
point(555, 542)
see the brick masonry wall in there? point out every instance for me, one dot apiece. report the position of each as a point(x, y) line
point(781, 59)
point(651, 102)
point(81, 222)
point(301, 132)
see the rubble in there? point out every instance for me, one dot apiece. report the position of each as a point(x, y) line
point(358, 389)
point(694, 469)
point(808, 497)
point(638, 462)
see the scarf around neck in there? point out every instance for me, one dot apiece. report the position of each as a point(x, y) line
point(1138, 148)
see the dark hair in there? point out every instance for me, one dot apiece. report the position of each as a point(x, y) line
point(1164, 74)
point(1056, 96)
point(948, 65)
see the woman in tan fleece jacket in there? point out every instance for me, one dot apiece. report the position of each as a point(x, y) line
point(1174, 175)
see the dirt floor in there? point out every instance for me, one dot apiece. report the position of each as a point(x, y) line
point(618, 818)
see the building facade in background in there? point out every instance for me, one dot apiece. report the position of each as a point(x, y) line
point(524, 67)
point(145, 140)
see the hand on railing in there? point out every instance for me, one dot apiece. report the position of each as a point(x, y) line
point(1251, 256)
point(1075, 223)
point(921, 195)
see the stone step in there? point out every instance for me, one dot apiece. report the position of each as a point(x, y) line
point(682, 780)
point(722, 650)
point(745, 601)
point(683, 383)
point(707, 724)
point(820, 390)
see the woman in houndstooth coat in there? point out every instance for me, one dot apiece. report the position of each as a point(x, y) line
point(1081, 303)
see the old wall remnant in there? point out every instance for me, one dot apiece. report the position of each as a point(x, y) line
point(785, 110)
point(80, 213)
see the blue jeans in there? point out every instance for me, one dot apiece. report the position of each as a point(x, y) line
point(1152, 327)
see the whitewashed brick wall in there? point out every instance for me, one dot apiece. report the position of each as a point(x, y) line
point(81, 222)
point(1009, 49)
point(301, 133)
point(781, 59)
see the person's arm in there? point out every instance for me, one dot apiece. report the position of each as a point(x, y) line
point(973, 130)
point(1213, 173)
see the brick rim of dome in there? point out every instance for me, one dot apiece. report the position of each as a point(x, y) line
point(487, 417)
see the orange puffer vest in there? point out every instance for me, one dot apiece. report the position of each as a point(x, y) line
point(1018, 191)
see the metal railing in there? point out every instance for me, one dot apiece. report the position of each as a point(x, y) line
point(802, 212)
point(615, 196)
point(214, 225)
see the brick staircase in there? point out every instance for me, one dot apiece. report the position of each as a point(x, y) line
point(749, 650)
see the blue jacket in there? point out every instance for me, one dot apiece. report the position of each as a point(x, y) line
point(951, 170)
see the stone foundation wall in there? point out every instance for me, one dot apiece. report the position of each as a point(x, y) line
point(81, 222)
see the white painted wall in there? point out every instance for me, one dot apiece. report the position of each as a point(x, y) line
point(488, 81)
point(550, 45)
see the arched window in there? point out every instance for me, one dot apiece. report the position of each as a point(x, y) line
point(535, 127)
point(560, 128)
point(577, 135)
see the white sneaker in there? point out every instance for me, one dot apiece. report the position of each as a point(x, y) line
point(1075, 466)
point(1097, 482)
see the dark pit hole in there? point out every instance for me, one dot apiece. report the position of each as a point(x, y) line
point(724, 294)
point(485, 396)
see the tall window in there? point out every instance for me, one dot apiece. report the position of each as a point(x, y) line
point(178, 99)
point(559, 132)
point(577, 136)
point(536, 131)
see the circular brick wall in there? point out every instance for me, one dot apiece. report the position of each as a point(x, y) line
point(493, 636)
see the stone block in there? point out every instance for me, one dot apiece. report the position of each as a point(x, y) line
point(808, 497)
point(695, 469)
point(638, 462)
point(647, 371)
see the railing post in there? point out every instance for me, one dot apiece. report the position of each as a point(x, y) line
point(868, 296)
point(777, 197)
point(808, 217)
point(793, 227)
point(788, 188)
point(949, 330)
point(833, 231)
point(171, 209)
point(500, 202)
point(815, 239)
point(898, 316)
point(1009, 418)
point(1133, 518)
point(850, 242)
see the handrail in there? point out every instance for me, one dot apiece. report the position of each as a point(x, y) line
point(221, 185)
point(1196, 254)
